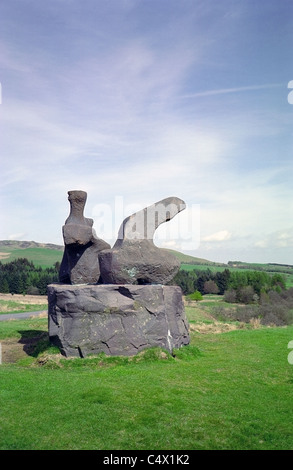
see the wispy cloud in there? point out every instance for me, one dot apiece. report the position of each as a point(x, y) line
point(224, 91)
point(277, 240)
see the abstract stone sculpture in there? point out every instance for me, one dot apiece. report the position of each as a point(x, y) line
point(80, 263)
point(135, 259)
point(121, 305)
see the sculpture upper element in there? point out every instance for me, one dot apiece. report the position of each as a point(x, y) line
point(80, 263)
point(77, 201)
point(134, 258)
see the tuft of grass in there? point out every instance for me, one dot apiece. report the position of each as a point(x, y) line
point(51, 357)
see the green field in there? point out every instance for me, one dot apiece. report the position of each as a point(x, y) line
point(203, 267)
point(229, 390)
point(43, 257)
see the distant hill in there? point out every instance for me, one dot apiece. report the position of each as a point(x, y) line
point(270, 267)
point(31, 244)
point(41, 254)
point(47, 254)
point(12, 249)
point(187, 259)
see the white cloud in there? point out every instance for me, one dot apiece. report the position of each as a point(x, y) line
point(220, 236)
point(17, 236)
point(275, 240)
point(261, 243)
point(285, 236)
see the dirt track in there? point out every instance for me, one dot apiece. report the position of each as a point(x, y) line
point(22, 316)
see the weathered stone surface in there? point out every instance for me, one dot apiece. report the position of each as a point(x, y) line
point(80, 263)
point(138, 263)
point(134, 259)
point(116, 319)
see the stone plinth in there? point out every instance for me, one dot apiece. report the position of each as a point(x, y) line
point(116, 319)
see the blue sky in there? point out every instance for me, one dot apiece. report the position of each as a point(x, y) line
point(137, 100)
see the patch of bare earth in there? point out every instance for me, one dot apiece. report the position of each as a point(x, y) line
point(216, 327)
point(221, 327)
point(13, 349)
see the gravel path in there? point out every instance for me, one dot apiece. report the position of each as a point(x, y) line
point(21, 316)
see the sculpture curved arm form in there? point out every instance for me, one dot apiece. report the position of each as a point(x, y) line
point(80, 263)
point(144, 223)
point(134, 259)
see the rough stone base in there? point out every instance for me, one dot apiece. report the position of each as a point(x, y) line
point(116, 319)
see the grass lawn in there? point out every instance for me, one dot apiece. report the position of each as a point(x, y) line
point(229, 390)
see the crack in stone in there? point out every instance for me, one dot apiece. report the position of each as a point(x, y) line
point(80, 352)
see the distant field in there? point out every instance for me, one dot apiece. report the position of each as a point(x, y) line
point(203, 267)
point(43, 257)
point(270, 269)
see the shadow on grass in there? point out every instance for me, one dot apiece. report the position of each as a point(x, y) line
point(34, 342)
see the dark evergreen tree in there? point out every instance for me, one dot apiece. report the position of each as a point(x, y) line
point(20, 276)
point(222, 280)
